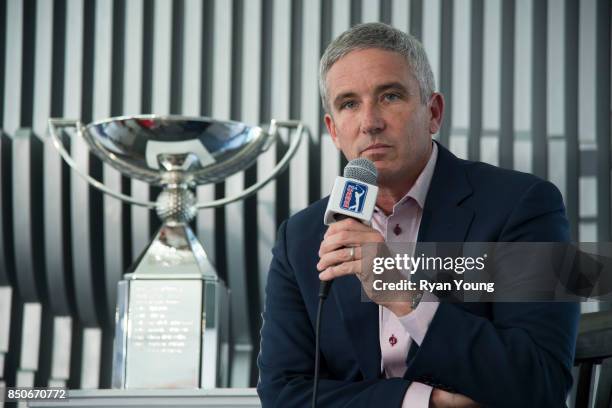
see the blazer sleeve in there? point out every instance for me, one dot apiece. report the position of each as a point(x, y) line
point(522, 357)
point(286, 358)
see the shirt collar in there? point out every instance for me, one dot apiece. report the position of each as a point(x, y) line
point(418, 191)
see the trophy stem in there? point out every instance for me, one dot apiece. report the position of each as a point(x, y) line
point(176, 204)
point(175, 252)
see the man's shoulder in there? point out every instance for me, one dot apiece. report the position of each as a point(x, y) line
point(509, 199)
point(504, 183)
point(486, 174)
point(482, 177)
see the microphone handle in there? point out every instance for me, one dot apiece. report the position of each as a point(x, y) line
point(324, 287)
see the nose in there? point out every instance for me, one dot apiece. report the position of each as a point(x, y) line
point(372, 121)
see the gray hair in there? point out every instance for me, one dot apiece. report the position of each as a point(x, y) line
point(383, 36)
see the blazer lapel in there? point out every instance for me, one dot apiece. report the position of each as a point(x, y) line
point(444, 220)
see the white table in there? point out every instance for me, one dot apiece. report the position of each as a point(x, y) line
point(220, 397)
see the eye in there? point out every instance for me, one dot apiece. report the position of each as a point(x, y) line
point(391, 96)
point(348, 105)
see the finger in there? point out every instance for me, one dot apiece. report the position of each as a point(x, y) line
point(348, 239)
point(461, 401)
point(334, 242)
point(346, 268)
point(339, 256)
point(441, 398)
point(455, 400)
point(348, 224)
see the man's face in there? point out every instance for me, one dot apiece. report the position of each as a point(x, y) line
point(376, 113)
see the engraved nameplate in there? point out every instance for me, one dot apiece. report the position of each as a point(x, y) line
point(164, 334)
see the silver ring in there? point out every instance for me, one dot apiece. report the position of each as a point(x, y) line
point(352, 253)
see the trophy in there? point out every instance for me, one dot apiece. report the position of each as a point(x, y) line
point(172, 307)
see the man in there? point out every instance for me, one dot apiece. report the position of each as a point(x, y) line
point(378, 92)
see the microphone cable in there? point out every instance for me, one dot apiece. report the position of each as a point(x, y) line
point(323, 292)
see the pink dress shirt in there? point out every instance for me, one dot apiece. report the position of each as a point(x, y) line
point(397, 334)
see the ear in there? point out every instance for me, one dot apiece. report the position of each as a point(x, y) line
point(331, 128)
point(436, 112)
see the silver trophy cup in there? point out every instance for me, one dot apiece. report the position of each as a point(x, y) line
point(172, 308)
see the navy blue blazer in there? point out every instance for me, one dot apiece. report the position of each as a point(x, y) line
point(498, 354)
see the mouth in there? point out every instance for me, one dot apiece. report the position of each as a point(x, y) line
point(376, 148)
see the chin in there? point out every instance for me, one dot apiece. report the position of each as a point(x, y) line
point(375, 157)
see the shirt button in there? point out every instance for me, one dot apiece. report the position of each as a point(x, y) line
point(397, 230)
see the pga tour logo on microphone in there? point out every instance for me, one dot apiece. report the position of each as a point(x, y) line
point(353, 197)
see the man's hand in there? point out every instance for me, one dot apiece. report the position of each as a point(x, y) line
point(443, 399)
point(341, 254)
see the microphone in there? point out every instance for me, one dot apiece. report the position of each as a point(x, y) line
point(353, 196)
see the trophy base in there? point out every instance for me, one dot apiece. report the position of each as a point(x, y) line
point(172, 318)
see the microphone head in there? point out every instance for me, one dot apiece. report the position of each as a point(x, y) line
point(361, 169)
point(353, 195)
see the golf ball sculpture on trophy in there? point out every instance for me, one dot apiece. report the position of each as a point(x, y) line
point(172, 308)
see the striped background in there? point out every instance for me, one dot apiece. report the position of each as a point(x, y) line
point(528, 86)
